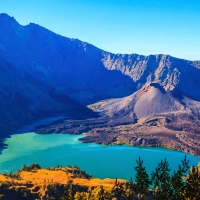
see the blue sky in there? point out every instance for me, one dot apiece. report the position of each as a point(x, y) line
point(119, 26)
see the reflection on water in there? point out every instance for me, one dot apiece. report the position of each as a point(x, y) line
point(98, 160)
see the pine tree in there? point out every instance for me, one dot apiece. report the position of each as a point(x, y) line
point(192, 189)
point(177, 181)
point(161, 181)
point(142, 179)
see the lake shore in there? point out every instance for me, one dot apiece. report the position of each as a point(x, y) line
point(152, 133)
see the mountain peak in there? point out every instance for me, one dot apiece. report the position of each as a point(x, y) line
point(7, 21)
point(6, 17)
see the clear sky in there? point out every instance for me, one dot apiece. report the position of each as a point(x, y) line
point(119, 26)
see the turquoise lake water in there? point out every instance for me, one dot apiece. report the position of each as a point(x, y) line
point(99, 160)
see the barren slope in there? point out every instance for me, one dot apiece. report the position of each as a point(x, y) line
point(151, 100)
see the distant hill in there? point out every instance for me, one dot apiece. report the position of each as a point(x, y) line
point(44, 73)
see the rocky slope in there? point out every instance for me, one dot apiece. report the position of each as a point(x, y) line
point(151, 100)
point(168, 71)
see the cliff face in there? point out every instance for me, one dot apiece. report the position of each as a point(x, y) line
point(42, 73)
point(169, 72)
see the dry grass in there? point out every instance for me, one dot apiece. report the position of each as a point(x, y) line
point(42, 177)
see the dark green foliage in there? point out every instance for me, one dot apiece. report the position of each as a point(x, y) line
point(178, 184)
point(33, 166)
point(58, 191)
point(165, 187)
point(161, 181)
point(54, 191)
point(142, 179)
point(23, 168)
point(7, 192)
point(69, 191)
point(14, 176)
point(101, 193)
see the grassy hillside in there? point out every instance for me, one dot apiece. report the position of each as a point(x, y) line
point(65, 183)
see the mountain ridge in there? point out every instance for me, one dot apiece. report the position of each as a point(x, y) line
point(11, 18)
point(73, 74)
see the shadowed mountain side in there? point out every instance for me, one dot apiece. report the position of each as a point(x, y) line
point(44, 73)
point(69, 66)
point(22, 100)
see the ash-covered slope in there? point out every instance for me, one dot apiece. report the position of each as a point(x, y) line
point(153, 100)
point(149, 101)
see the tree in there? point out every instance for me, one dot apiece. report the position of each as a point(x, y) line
point(69, 191)
point(142, 179)
point(118, 191)
point(192, 189)
point(131, 190)
point(161, 181)
point(102, 194)
point(177, 181)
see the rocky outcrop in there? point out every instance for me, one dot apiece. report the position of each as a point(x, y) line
point(166, 70)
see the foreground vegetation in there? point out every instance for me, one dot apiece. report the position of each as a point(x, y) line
point(71, 183)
